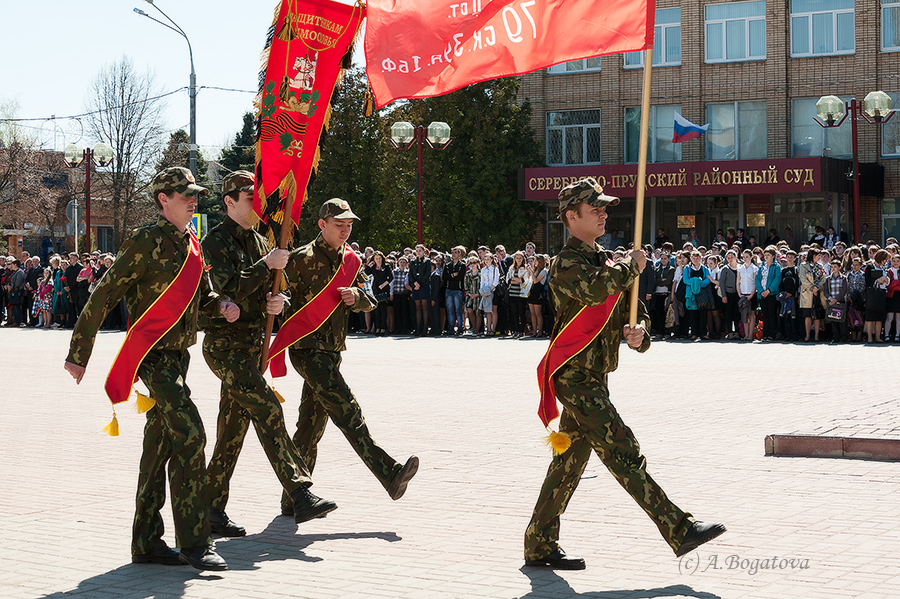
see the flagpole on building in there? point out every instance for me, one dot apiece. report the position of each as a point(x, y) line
point(641, 178)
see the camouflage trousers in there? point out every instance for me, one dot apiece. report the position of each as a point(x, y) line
point(326, 395)
point(173, 437)
point(592, 423)
point(245, 398)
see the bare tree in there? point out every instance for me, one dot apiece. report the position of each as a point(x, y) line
point(16, 143)
point(126, 112)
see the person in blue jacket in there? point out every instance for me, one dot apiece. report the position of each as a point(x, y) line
point(696, 277)
point(768, 281)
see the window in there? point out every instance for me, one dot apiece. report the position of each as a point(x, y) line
point(573, 137)
point(822, 27)
point(583, 65)
point(809, 138)
point(737, 131)
point(890, 132)
point(890, 25)
point(662, 128)
point(666, 41)
point(105, 239)
point(736, 31)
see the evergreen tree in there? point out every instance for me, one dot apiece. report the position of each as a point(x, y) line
point(240, 154)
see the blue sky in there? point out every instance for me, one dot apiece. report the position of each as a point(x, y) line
point(53, 49)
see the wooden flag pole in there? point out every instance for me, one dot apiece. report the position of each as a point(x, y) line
point(641, 178)
point(286, 223)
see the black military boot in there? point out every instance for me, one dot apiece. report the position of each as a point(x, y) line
point(222, 525)
point(308, 506)
point(697, 534)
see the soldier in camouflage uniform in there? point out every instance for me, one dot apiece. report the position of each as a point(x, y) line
point(147, 263)
point(580, 276)
point(239, 267)
point(317, 357)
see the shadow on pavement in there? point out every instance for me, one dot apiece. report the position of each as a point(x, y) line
point(547, 583)
point(156, 582)
point(281, 540)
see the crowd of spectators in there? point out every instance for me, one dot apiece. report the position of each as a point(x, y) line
point(735, 289)
point(52, 295)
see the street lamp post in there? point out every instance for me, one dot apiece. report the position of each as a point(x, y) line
point(404, 135)
point(101, 155)
point(831, 111)
point(192, 90)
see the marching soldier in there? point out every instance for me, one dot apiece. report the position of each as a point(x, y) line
point(587, 294)
point(158, 272)
point(326, 280)
point(239, 267)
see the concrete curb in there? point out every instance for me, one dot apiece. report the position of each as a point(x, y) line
point(814, 446)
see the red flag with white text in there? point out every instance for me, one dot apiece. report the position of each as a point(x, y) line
point(424, 48)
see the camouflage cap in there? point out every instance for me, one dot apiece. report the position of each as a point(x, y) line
point(178, 178)
point(585, 190)
point(238, 181)
point(337, 208)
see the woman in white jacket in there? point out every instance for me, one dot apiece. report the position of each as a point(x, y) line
point(490, 278)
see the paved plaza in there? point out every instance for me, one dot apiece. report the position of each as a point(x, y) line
point(797, 527)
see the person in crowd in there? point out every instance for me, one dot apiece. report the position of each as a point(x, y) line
point(71, 288)
point(836, 292)
point(728, 277)
point(747, 302)
point(537, 295)
point(663, 279)
point(892, 300)
point(856, 280)
point(490, 278)
point(382, 277)
point(661, 238)
point(420, 284)
point(768, 282)
point(438, 296)
point(530, 249)
point(15, 293)
point(818, 237)
point(33, 274)
point(44, 301)
point(472, 285)
point(501, 305)
point(714, 316)
point(454, 281)
point(809, 294)
point(790, 286)
point(876, 295)
point(693, 239)
point(772, 238)
point(400, 294)
point(789, 238)
point(696, 278)
point(519, 286)
point(60, 309)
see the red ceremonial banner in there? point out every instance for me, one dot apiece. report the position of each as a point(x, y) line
point(310, 39)
point(423, 48)
point(153, 324)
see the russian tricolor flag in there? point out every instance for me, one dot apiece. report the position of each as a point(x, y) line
point(686, 130)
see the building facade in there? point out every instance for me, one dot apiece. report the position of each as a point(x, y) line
point(754, 71)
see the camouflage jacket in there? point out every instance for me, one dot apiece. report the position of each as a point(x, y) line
point(579, 276)
point(309, 269)
point(237, 273)
point(147, 263)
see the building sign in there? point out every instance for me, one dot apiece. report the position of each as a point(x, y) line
point(790, 175)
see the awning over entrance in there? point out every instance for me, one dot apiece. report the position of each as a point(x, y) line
point(787, 175)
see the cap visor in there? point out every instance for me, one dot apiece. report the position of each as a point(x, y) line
point(195, 190)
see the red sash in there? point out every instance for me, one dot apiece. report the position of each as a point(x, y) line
point(314, 313)
point(153, 324)
point(580, 332)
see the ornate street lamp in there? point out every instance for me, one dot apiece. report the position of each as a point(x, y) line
point(404, 134)
point(831, 111)
point(100, 155)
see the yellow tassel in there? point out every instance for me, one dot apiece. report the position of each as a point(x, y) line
point(369, 105)
point(558, 442)
point(144, 403)
point(112, 429)
point(278, 395)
